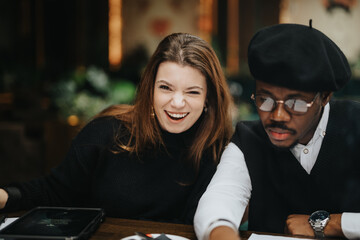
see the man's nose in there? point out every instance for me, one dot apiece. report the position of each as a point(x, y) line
point(280, 114)
point(178, 100)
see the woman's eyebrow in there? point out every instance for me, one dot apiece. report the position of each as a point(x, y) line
point(195, 87)
point(164, 82)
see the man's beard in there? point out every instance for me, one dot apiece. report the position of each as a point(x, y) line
point(284, 148)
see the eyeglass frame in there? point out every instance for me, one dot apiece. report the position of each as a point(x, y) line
point(276, 102)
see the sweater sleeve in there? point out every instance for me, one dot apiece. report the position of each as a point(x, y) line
point(69, 183)
point(64, 186)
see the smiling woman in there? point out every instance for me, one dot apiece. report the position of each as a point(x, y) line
point(179, 96)
point(152, 160)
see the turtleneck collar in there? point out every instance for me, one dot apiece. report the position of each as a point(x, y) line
point(183, 138)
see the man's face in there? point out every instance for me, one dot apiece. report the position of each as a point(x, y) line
point(285, 129)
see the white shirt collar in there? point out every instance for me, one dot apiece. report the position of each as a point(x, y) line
point(321, 128)
point(307, 155)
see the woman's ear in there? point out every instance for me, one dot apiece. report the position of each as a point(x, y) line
point(325, 97)
point(206, 105)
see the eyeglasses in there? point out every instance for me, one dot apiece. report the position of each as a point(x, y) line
point(295, 106)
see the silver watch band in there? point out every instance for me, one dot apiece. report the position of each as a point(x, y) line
point(318, 220)
point(319, 231)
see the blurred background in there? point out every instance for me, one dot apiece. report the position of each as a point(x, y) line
point(62, 61)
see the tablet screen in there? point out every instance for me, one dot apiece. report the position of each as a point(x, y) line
point(55, 222)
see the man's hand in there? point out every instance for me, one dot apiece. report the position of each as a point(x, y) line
point(3, 198)
point(224, 233)
point(297, 224)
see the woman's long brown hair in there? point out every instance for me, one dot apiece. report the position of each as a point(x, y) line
point(215, 129)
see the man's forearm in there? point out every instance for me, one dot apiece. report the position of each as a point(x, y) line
point(297, 224)
point(333, 228)
point(224, 233)
point(3, 198)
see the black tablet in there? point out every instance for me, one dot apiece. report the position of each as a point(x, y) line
point(54, 223)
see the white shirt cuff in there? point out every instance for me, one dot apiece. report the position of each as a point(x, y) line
point(350, 225)
point(218, 223)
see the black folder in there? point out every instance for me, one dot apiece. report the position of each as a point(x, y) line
point(54, 223)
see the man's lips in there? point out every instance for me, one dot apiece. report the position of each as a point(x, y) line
point(279, 134)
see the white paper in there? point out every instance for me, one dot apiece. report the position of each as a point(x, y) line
point(7, 222)
point(154, 235)
point(271, 237)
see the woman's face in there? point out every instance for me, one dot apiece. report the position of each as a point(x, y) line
point(179, 96)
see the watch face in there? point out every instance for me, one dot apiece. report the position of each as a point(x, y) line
point(319, 215)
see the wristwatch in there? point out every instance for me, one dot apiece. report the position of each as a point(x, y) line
point(318, 221)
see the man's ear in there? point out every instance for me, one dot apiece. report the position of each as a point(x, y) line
point(325, 97)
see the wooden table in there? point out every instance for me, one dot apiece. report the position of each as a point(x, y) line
point(117, 228)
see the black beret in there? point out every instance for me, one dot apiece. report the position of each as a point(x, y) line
point(297, 57)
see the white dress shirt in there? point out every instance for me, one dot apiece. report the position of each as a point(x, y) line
point(228, 194)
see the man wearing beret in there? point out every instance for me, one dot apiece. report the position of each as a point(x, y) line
point(298, 167)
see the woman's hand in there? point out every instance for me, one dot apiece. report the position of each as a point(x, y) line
point(3, 198)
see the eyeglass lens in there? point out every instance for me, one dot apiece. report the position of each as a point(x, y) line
point(267, 104)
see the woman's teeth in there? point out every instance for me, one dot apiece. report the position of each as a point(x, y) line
point(177, 115)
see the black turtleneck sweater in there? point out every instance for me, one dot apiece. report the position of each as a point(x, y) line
point(159, 186)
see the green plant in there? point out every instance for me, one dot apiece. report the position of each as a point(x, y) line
point(88, 91)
